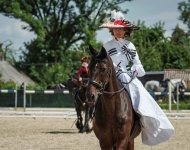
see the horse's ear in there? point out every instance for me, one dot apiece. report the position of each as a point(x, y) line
point(103, 53)
point(92, 50)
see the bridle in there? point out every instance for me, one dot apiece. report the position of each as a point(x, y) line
point(102, 85)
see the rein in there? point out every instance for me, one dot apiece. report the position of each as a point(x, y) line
point(134, 74)
point(101, 87)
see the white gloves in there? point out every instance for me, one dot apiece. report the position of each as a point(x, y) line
point(139, 69)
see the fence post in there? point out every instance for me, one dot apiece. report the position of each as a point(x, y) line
point(24, 97)
point(177, 92)
point(16, 98)
point(30, 100)
point(170, 97)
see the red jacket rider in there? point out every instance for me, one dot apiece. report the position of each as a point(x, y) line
point(83, 70)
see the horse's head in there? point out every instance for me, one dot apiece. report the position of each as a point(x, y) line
point(101, 71)
point(182, 86)
point(72, 83)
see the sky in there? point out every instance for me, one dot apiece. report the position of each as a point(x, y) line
point(149, 11)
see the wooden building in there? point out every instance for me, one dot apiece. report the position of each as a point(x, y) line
point(183, 74)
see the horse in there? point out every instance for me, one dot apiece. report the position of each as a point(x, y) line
point(162, 86)
point(154, 86)
point(78, 90)
point(181, 87)
point(115, 122)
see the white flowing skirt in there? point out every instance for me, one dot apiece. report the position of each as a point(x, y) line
point(156, 127)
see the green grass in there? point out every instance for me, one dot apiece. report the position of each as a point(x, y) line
point(182, 106)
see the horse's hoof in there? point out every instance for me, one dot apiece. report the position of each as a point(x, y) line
point(89, 130)
point(81, 131)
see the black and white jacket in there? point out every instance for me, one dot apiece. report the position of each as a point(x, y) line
point(123, 52)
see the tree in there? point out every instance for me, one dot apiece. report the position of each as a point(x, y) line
point(180, 48)
point(58, 24)
point(178, 35)
point(6, 52)
point(148, 41)
point(184, 8)
point(61, 27)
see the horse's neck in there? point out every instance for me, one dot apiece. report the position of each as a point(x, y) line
point(81, 93)
point(105, 109)
point(184, 84)
point(175, 81)
point(109, 100)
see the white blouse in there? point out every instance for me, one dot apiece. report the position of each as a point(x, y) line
point(122, 53)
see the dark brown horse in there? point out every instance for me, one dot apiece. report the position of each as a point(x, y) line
point(78, 91)
point(115, 123)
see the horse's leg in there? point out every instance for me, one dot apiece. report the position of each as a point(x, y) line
point(121, 144)
point(79, 123)
point(106, 147)
point(86, 127)
point(126, 143)
point(91, 111)
point(173, 98)
point(125, 146)
point(80, 120)
point(130, 145)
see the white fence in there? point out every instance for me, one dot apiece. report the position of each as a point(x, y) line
point(169, 94)
point(31, 92)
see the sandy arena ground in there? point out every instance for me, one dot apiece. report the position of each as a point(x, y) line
point(30, 133)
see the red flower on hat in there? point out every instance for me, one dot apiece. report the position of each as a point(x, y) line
point(120, 22)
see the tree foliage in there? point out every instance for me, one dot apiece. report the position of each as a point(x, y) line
point(64, 28)
point(148, 41)
point(6, 52)
point(58, 24)
point(184, 8)
point(158, 52)
point(61, 26)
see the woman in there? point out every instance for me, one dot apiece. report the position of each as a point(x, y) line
point(83, 70)
point(156, 127)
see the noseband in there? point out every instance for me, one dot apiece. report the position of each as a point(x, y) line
point(101, 85)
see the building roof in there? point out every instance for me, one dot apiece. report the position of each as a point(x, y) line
point(154, 72)
point(183, 74)
point(9, 73)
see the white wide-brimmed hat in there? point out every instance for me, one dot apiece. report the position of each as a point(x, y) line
point(118, 20)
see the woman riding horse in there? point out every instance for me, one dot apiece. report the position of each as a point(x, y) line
point(83, 69)
point(156, 127)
